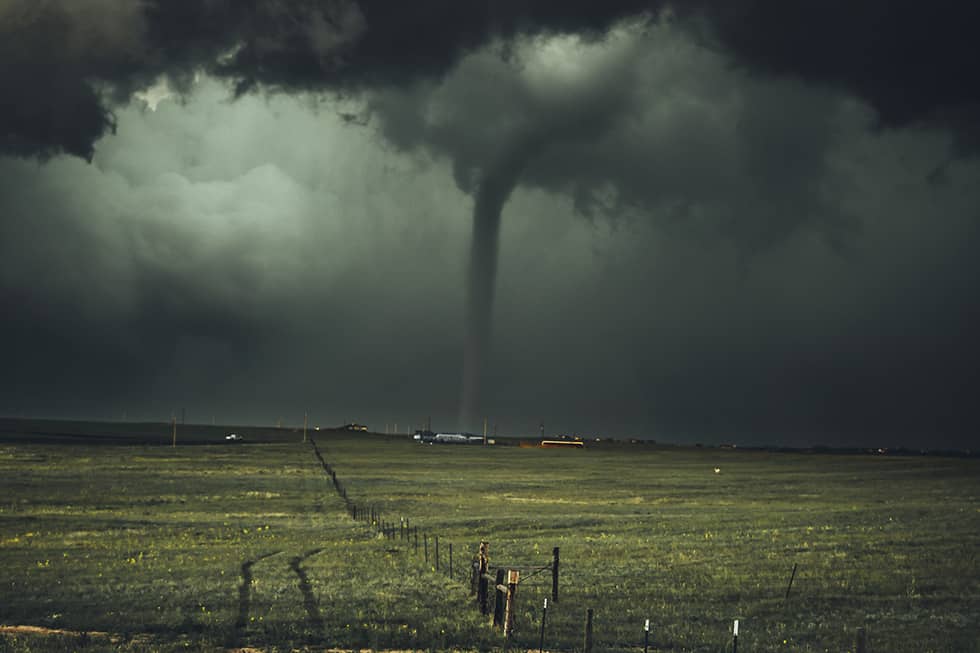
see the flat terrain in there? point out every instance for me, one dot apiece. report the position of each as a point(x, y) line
point(124, 543)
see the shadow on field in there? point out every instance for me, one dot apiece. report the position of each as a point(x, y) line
point(309, 600)
point(245, 598)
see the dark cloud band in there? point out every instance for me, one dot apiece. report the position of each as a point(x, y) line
point(63, 70)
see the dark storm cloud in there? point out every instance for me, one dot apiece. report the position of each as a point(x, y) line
point(911, 61)
point(765, 259)
point(67, 64)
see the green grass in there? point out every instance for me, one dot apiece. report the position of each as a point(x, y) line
point(150, 545)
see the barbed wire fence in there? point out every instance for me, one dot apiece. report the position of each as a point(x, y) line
point(503, 583)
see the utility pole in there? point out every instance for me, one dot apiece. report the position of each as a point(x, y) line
point(305, 417)
point(173, 428)
point(484, 431)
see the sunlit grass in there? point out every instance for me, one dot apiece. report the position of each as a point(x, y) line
point(151, 546)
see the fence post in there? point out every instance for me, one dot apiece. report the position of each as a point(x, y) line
point(790, 585)
point(646, 636)
point(513, 578)
point(588, 631)
point(735, 637)
point(498, 595)
point(861, 640)
point(544, 616)
point(554, 574)
point(425, 545)
point(481, 581)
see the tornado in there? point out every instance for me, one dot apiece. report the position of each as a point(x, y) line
point(579, 109)
point(495, 187)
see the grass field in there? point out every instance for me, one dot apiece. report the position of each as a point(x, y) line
point(214, 546)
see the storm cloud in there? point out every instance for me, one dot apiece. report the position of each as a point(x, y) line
point(908, 61)
point(705, 222)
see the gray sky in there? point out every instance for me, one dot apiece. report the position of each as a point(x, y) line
point(700, 240)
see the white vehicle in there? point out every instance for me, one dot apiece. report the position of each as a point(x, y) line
point(455, 438)
point(233, 437)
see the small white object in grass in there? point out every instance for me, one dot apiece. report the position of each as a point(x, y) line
point(736, 628)
point(546, 603)
point(717, 470)
point(646, 626)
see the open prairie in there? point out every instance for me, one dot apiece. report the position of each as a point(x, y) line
point(128, 544)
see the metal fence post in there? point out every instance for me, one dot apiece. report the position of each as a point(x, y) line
point(587, 647)
point(554, 574)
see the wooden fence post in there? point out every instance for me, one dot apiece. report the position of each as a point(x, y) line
point(861, 641)
point(499, 594)
point(588, 631)
point(513, 578)
point(481, 581)
point(554, 574)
